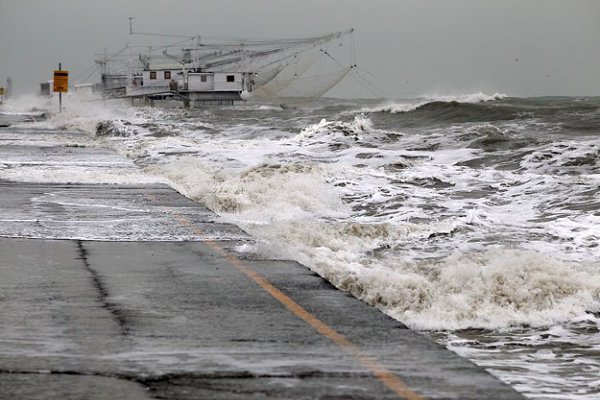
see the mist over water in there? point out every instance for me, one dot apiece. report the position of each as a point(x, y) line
point(472, 218)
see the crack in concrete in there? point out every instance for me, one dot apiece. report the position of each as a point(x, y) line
point(103, 293)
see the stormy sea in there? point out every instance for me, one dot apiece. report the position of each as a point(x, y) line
point(474, 219)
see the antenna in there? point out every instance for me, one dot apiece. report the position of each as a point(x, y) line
point(129, 68)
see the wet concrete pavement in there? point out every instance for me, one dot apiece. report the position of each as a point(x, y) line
point(134, 291)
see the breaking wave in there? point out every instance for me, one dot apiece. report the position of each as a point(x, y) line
point(76, 115)
point(336, 135)
point(295, 213)
point(403, 107)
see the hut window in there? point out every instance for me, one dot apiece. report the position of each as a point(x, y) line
point(167, 74)
point(202, 78)
point(152, 74)
point(230, 78)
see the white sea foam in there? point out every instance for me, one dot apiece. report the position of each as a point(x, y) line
point(501, 288)
point(565, 157)
point(296, 214)
point(478, 97)
point(74, 174)
point(360, 126)
point(494, 289)
point(284, 190)
point(395, 107)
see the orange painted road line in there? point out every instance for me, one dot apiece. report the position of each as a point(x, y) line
point(377, 369)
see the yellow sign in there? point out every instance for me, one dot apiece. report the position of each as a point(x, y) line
point(61, 81)
point(1, 91)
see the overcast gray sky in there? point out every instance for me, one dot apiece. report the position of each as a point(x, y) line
point(414, 47)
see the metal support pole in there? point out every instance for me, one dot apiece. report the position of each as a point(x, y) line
point(59, 93)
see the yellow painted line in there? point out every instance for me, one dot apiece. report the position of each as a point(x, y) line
point(377, 369)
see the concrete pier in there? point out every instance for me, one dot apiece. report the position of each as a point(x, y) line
point(136, 292)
